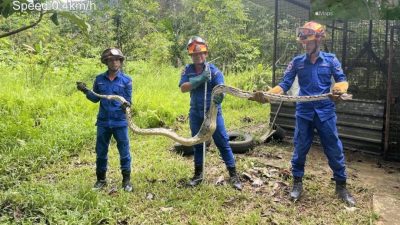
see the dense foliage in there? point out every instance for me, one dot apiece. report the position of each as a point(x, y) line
point(239, 33)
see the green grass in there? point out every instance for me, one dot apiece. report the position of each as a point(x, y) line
point(48, 160)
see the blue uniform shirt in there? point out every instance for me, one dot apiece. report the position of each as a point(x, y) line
point(110, 114)
point(197, 95)
point(314, 79)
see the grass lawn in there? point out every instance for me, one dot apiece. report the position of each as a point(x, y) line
point(48, 163)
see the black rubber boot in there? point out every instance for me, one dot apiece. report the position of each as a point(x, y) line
point(197, 177)
point(234, 178)
point(343, 193)
point(297, 188)
point(126, 180)
point(101, 180)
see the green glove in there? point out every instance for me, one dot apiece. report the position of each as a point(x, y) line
point(200, 79)
point(218, 98)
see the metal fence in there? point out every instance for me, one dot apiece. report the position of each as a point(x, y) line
point(392, 125)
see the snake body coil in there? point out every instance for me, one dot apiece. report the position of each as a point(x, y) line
point(209, 124)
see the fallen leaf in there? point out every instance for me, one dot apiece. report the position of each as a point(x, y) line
point(276, 200)
point(351, 209)
point(166, 209)
point(257, 182)
point(247, 176)
point(220, 180)
point(17, 214)
point(113, 191)
point(149, 196)
point(285, 173)
point(279, 185)
point(229, 202)
point(273, 170)
point(253, 171)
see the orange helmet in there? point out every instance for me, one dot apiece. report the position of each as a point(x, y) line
point(196, 44)
point(310, 31)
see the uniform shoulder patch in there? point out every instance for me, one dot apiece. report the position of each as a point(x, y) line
point(289, 67)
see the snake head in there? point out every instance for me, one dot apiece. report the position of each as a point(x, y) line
point(341, 97)
point(346, 96)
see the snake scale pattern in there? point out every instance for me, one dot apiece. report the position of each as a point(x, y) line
point(209, 124)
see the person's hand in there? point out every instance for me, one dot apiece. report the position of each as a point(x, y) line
point(200, 79)
point(218, 98)
point(81, 86)
point(124, 106)
point(340, 88)
point(259, 97)
point(275, 90)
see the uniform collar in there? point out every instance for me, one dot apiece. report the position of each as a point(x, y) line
point(119, 73)
point(320, 56)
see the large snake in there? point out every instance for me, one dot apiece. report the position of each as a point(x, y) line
point(209, 124)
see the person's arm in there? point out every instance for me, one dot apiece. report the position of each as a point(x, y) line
point(91, 96)
point(341, 85)
point(288, 79)
point(129, 92)
point(187, 84)
point(184, 84)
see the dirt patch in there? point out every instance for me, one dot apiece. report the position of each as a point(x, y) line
point(265, 173)
point(384, 178)
point(366, 174)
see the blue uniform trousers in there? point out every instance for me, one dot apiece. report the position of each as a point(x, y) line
point(330, 141)
point(102, 142)
point(220, 137)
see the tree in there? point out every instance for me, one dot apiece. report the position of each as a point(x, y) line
point(223, 24)
point(7, 9)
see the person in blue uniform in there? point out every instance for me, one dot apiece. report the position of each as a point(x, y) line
point(111, 120)
point(314, 71)
point(193, 80)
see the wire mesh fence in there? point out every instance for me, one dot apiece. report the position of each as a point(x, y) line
point(362, 46)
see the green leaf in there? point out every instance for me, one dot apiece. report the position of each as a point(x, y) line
point(54, 18)
point(75, 19)
point(6, 8)
point(39, 47)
